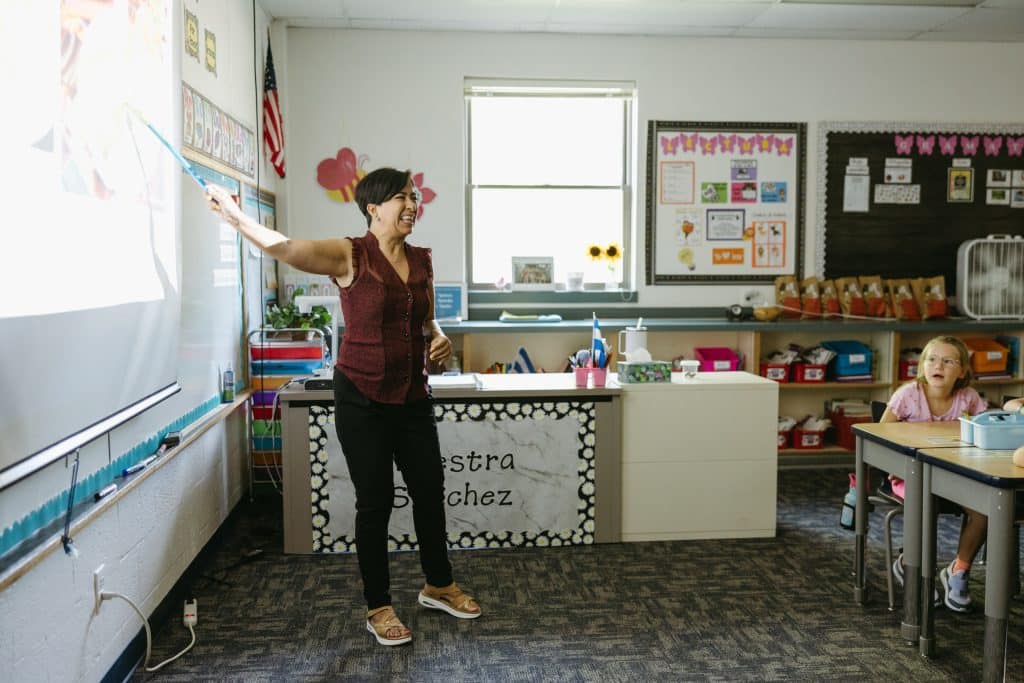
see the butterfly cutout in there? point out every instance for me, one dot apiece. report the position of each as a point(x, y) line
point(726, 142)
point(670, 145)
point(1015, 146)
point(689, 142)
point(969, 145)
point(708, 145)
point(993, 145)
point(904, 144)
point(426, 194)
point(947, 145)
point(764, 142)
point(746, 145)
point(925, 145)
point(784, 147)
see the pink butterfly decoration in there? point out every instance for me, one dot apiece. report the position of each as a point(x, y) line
point(426, 194)
point(1015, 146)
point(726, 142)
point(784, 147)
point(925, 145)
point(669, 145)
point(765, 142)
point(969, 145)
point(904, 144)
point(689, 142)
point(993, 145)
point(746, 145)
point(708, 145)
point(947, 145)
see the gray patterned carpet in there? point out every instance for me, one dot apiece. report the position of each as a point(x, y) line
point(776, 609)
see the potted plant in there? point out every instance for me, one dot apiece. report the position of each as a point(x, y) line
point(288, 316)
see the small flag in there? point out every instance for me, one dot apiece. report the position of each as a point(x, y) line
point(597, 350)
point(522, 363)
point(273, 124)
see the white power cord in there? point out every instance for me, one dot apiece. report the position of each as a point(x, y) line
point(190, 618)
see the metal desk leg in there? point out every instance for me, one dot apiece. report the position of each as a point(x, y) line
point(910, 629)
point(860, 588)
point(997, 585)
point(926, 642)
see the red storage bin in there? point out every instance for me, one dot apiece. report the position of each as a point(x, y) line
point(716, 358)
point(783, 440)
point(286, 351)
point(908, 369)
point(807, 439)
point(844, 428)
point(808, 372)
point(775, 371)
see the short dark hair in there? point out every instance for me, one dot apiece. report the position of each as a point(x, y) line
point(378, 186)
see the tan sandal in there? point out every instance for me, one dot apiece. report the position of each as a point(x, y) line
point(388, 629)
point(450, 599)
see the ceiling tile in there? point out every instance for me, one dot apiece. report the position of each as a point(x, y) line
point(822, 34)
point(996, 21)
point(850, 17)
point(652, 12)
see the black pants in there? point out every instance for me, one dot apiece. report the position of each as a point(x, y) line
point(373, 435)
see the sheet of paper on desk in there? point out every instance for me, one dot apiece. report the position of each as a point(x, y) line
point(468, 380)
point(944, 440)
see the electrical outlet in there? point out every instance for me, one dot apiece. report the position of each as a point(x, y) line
point(191, 615)
point(97, 587)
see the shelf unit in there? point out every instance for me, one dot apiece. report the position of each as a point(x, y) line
point(275, 358)
point(481, 343)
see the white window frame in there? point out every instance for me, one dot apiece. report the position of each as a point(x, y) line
point(626, 91)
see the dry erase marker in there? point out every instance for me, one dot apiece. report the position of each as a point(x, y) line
point(105, 491)
point(141, 465)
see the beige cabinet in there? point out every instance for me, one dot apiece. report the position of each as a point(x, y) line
point(699, 458)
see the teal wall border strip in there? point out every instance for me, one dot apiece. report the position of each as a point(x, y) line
point(52, 510)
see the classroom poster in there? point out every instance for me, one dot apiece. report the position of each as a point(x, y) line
point(724, 201)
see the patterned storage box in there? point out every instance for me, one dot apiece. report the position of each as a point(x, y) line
point(641, 373)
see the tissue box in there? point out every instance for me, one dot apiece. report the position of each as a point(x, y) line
point(640, 373)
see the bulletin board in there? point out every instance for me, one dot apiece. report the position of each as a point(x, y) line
point(897, 199)
point(724, 201)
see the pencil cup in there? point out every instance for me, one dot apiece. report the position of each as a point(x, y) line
point(581, 377)
point(599, 375)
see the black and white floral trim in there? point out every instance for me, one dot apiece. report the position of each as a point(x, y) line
point(321, 418)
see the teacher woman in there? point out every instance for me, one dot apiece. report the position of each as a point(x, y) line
point(383, 409)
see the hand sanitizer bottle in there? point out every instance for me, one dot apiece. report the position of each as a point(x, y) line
point(227, 389)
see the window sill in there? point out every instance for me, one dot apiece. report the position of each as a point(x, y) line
point(587, 296)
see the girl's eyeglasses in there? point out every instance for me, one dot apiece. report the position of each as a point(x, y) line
point(946, 362)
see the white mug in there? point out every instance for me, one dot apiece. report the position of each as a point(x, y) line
point(636, 338)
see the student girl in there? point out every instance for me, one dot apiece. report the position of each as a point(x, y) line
point(941, 392)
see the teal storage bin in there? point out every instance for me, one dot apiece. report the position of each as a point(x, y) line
point(853, 358)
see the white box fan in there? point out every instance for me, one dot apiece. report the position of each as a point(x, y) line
point(990, 277)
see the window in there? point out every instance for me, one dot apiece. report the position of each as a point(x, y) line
point(549, 174)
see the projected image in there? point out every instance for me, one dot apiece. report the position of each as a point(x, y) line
point(95, 199)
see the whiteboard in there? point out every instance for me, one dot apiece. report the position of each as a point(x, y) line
point(724, 201)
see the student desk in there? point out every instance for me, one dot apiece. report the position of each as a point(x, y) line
point(985, 481)
point(892, 446)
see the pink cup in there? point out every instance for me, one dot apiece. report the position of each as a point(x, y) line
point(600, 375)
point(581, 377)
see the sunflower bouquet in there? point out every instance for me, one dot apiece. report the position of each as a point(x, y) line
point(610, 255)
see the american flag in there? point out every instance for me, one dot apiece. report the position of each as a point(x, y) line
point(273, 124)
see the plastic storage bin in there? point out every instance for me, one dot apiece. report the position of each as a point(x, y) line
point(716, 358)
point(908, 369)
point(853, 358)
point(783, 440)
point(806, 439)
point(775, 371)
point(995, 430)
point(844, 428)
point(811, 373)
point(987, 355)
